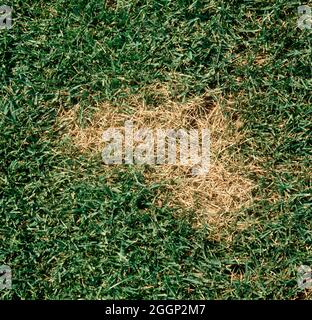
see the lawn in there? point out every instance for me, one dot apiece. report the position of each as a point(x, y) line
point(72, 228)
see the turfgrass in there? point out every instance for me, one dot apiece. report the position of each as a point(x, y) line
point(70, 230)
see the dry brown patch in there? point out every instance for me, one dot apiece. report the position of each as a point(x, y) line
point(224, 190)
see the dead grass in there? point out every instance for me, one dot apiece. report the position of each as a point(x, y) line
point(216, 196)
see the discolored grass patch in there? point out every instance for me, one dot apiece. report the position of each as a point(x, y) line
point(215, 196)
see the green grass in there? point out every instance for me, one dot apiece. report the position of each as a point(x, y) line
point(68, 230)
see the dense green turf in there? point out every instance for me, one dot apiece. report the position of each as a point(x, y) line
point(68, 231)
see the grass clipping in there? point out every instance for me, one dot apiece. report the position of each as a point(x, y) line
point(224, 189)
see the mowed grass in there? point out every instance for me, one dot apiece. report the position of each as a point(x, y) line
point(70, 230)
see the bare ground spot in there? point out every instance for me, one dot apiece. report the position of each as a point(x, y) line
point(214, 197)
